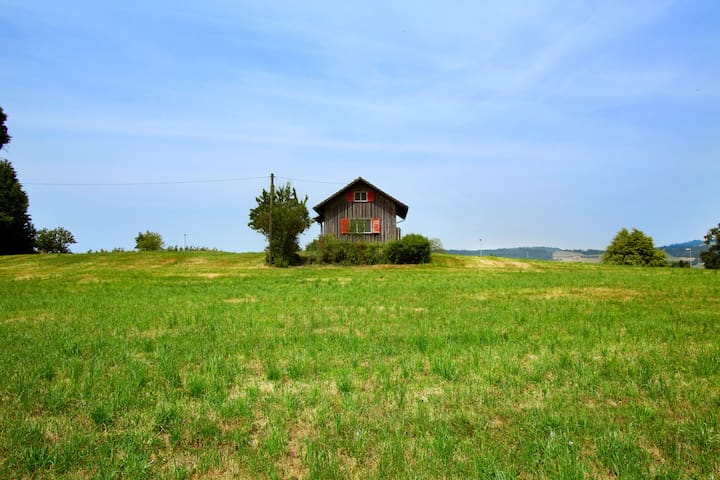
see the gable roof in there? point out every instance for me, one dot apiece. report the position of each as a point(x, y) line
point(400, 208)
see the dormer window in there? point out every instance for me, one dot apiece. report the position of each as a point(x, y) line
point(361, 196)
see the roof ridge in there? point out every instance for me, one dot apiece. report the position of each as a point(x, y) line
point(402, 207)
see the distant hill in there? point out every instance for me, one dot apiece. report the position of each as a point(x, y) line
point(680, 250)
point(531, 253)
point(676, 250)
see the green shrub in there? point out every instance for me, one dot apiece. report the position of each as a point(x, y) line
point(680, 264)
point(634, 248)
point(149, 241)
point(328, 249)
point(56, 240)
point(412, 248)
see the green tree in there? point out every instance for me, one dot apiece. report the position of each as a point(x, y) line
point(17, 234)
point(711, 257)
point(148, 241)
point(634, 248)
point(289, 218)
point(4, 136)
point(56, 240)
point(436, 245)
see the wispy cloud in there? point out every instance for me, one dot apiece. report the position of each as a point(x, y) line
point(590, 91)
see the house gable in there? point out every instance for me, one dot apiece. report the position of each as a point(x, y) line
point(360, 212)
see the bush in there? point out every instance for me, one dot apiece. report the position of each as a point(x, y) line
point(711, 257)
point(328, 249)
point(148, 241)
point(189, 248)
point(680, 264)
point(634, 248)
point(412, 248)
point(56, 240)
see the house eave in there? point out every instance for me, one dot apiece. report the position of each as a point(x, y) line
point(400, 208)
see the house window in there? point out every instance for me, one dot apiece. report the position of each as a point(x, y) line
point(360, 225)
point(361, 196)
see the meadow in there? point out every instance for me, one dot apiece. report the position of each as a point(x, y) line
point(207, 364)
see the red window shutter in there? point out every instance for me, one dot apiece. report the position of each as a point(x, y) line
point(375, 225)
point(344, 225)
point(350, 196)
point(370, 196)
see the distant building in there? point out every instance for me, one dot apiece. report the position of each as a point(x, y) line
point(360, 212)
point(568, 256)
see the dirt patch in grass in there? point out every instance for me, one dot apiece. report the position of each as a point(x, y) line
point(30, 276)
point(39, 318)
point(89, 279)
point(533, 397)
point(425, 394)
point(339, 329)
point(211, 275)
point(494, 263)
point(587, 293)
point(291, 464)
point(557, 293)
point(246, 299)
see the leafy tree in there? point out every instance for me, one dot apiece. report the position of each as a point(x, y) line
point(711, 257)
point(56, 240)
point(148, 241)
point(436, 245)
point(289, 216)
point(17, 234)
point(634, 248)
point(4, 136)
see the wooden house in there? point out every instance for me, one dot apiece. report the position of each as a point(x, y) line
point(360, 212)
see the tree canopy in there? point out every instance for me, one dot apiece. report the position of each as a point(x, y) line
point(57, 240)
point(711, 257)
point(17, 234)
point(282, 224)
point(4, 136)
point(634, 248)
point(149, 241)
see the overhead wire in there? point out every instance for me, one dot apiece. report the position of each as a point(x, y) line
point(169, 182)
point(304, 180)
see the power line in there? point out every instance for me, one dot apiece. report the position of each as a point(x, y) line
point(131, 184)
point(304, 180)
point(174, 182)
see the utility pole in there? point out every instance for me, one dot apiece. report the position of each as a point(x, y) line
point(270, 230)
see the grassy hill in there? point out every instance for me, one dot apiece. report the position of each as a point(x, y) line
point(180, 365)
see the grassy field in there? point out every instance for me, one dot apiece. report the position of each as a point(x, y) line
point(187, 365)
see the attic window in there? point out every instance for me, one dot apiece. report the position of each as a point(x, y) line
point(361, 196)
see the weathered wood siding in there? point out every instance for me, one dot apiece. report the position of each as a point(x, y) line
point(382, 208)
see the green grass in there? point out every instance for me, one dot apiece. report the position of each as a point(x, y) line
point(185, 365)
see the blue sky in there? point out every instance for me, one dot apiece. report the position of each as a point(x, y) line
point(518, 123)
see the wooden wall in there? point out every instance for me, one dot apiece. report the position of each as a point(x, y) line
point(382, 208)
